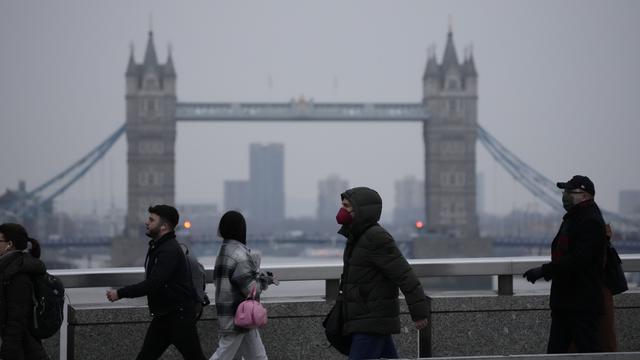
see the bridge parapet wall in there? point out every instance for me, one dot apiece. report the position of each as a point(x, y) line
point(294, 331)
point(507, 325)
point(461, 325)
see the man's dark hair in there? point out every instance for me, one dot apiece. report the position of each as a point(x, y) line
point(167, 213)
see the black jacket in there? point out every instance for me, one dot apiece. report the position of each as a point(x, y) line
point(167, 284)
point(373, 271)
point(16, 304)
point(577, 254)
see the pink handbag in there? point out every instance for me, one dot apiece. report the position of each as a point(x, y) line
point(250, 313)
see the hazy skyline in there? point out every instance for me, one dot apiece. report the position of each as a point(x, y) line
point(557, 86)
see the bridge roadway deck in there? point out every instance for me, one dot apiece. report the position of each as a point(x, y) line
point(301, 110)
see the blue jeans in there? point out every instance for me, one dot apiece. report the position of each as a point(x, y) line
point(372, 346)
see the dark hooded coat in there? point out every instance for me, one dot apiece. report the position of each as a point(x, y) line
point(16, 304)
point(374, 269)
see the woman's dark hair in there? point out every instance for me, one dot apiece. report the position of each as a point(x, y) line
point(17, 234)
point(233, 226)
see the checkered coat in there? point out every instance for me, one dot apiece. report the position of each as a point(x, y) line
point(235, 274)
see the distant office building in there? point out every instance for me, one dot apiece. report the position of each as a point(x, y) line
point(329, 191)
point(409, 201)
point(266, 178)
point(630, 203)
point(236, 195)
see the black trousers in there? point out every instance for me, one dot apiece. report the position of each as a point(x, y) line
point(177, 328)
point(577, 328)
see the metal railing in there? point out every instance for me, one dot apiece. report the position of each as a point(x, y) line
point(504, 268)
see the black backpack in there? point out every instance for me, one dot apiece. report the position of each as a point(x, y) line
point(198, 280)
point(48, 306)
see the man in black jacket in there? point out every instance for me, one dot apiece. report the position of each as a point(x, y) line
point(373, 271)
point(169, 290)
point(577, 257)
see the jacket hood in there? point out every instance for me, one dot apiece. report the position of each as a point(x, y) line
point(21, 262)
point(367, 208)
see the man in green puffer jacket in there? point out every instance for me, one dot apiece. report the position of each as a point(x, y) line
point(373, 271)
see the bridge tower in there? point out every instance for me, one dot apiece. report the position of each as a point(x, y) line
point(151, 135)
point(450, 92)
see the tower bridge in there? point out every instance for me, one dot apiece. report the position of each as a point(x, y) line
point(447, 111)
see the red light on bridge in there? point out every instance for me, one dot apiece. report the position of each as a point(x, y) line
point(419, 224)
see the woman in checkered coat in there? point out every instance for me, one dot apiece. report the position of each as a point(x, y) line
point(235, 275)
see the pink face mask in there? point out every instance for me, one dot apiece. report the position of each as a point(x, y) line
point(344, 217)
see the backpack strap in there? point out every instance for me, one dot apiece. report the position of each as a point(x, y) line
point(34, 306)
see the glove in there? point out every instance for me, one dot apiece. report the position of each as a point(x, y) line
point(533, 275)
point(267, 279)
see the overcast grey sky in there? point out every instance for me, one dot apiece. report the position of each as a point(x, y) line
point(558, 85)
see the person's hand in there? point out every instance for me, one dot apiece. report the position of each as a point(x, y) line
point(112, 295)
point(421, 324)
point(266, 279)
point(608, 231)
point(533, 274)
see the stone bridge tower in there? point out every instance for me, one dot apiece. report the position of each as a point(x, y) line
point(450, 92)
point(151, 136)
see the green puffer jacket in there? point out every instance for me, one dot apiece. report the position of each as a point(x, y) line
point(373, 271)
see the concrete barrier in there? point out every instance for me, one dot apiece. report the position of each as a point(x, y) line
point(508, 325)
point(294, 331)
point(487, 325)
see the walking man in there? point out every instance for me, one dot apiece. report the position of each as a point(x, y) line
point(575, 270)
point(169, 290)
point(374, 269)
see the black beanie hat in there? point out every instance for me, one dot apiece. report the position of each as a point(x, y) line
point(167, 212)
point(233, 226)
